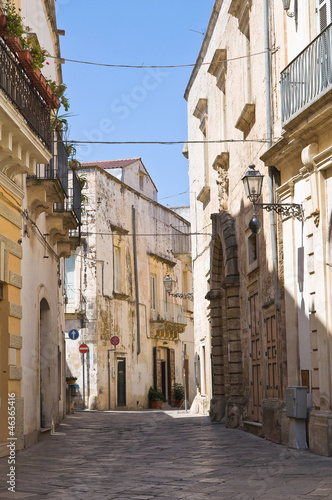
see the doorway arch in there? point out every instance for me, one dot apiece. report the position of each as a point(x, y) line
point(45, 359)
point(225, 316)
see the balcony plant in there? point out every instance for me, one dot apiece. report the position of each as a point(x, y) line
point(156, 398)
point(13, 26)
point(59, 91)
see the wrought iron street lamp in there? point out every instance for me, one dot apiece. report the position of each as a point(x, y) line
point(253, 182)
point(168, 284)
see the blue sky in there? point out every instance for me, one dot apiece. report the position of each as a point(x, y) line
point(120, 104)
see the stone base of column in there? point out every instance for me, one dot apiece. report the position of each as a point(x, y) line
point(271, 417)
point(320, 432)
point(236, 411)
point(217, 408)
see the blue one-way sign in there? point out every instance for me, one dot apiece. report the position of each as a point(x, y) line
point(73, 334)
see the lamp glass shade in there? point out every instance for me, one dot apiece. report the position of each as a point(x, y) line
point(252, 182)
point(286, 4)
point(168, 283)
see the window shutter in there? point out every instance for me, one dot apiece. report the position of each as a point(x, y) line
point(324, 9)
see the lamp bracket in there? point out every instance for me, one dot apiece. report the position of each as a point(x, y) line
point(187, 295)
point(294, 210)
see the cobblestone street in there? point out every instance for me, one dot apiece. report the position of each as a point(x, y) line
point(162, 455)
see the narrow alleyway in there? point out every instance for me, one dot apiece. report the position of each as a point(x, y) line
point(152, 455)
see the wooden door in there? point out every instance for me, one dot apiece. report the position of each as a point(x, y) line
point(271, 356)
point(255, 358)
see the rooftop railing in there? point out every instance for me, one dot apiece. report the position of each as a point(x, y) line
point(308, 76)
point(20, 90)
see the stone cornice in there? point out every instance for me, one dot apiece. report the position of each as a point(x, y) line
point(11, 186)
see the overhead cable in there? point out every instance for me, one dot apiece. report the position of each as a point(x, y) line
point(170, 143)
point(155, 66)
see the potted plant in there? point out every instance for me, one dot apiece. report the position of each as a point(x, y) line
point(3, 22)
point(156, 398)
point(14, 29)
point(179, 394)
point(71, 379)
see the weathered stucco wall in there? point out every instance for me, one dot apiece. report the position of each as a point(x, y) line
point(109, 288)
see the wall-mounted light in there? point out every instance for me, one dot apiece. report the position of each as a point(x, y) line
point(286, 5)
point(253, 183)
point(168, 284)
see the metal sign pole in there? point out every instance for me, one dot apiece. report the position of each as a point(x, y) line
point(109, 372)
point(184, 376)
point(83, 381)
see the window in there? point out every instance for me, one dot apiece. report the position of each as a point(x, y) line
point(141, 181)
point(201, 112)
point(252, 251)
point(324, 9)
point(153, 291)
point(70, 283)
point(117, 269)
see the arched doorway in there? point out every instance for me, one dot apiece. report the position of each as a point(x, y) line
point(224, 296)
point(45, 357)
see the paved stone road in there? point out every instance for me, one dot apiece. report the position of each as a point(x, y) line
point(151, 455)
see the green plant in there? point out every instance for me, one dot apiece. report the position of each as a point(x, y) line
point(155, 395)
point(15, 26)
point(59, 90)
point(71, 379)
point(179, 392)
point(39, 55)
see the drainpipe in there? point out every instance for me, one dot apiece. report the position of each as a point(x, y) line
point(136, 281)
point(269, 138)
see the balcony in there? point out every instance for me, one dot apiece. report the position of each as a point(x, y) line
point(181, 242)
point(168, 321)
point(16, 85)
point(72, 205)
point(307, 81)
point(49, 184)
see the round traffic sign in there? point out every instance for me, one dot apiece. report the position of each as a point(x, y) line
point(73, 334)
point(83, 348)
point(115, 340)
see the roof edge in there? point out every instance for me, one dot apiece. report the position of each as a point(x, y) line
point(204, 46)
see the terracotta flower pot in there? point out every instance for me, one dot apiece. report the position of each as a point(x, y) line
point(25, 58)
point(14, 43)
point(3, 23)
point(156, 405)
point(55, 102)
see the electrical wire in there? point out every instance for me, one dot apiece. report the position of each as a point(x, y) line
point(170, 143)
point(156, 66)
point(154, 235)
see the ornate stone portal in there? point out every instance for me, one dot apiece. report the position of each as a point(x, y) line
point(225, 323)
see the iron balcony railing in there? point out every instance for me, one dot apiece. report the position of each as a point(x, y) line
point(308, 76)
point(57, 169)
point(23, 95)
point(169, 311)
point(73, 201)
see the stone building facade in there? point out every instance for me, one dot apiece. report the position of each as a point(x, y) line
point(115, 288)
point(262, 302)
point(36, 215)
